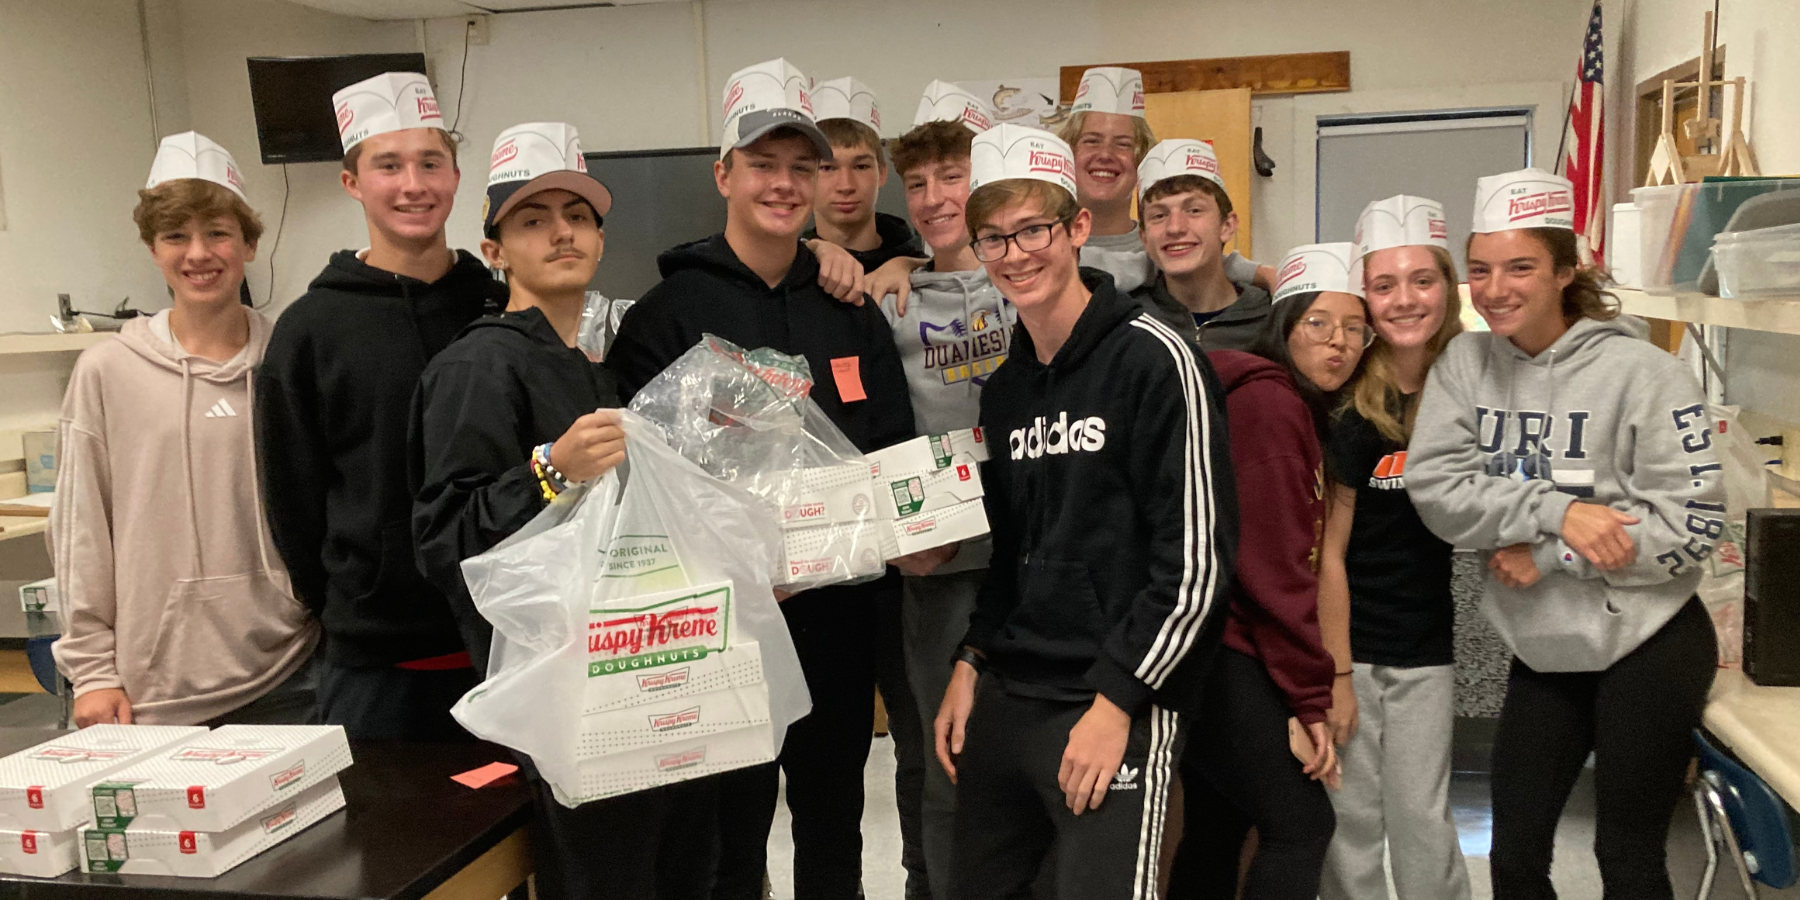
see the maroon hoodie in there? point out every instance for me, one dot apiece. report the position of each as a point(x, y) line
point(1275, 452)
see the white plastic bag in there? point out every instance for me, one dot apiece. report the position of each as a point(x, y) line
point(637, 640)
point(746, 418)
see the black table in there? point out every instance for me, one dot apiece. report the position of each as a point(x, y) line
point(407, 831)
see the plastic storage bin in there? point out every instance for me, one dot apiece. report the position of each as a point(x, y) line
point(1761, 263)
point(1677, 223)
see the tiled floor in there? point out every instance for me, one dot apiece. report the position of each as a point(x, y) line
point(1575, 873)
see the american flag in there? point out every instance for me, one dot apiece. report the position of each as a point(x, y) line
point(1584, 144)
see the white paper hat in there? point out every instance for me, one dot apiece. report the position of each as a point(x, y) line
point(1178, 156)
point(394, 101)
point(846, 98)
point(1110, 89)
point(539, 156)
point(945, 102)
point(1528, 198)
point(1401, 221)
point(191, 154)
point(1317, 267)
point(764, 97)
point(1016, 151)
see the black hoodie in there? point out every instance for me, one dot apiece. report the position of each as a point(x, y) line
point(508, 384)
point(1236, 327)
point(897, 239)
point(706, 289)
point(1113, 511)
point(331, 417)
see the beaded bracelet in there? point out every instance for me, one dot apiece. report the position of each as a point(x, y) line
point(550, 481)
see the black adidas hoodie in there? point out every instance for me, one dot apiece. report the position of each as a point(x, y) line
point(897, 239)
point(332, 396)
point(1113, 511)
point(706, 289)
point(508, 384)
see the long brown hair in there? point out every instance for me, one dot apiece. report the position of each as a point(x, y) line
point(1585, 297)
point(1377, 396)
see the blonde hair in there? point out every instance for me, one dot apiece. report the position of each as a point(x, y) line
point(986, 202)
point(1377, 396)
point(1142, 138)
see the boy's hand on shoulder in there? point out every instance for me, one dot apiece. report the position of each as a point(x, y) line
point(839, 273)
point(1096, 747)
point(895, 277)
point(593, 446)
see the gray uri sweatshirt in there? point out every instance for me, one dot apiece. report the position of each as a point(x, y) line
point(1504, 442)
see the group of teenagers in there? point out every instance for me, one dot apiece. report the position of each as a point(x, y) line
point(1207, 647)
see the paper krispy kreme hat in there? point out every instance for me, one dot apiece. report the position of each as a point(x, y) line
point(393, 101)
point(945, 102)
point(191, 154)
point(538, 156)
point(1110, 89)
point(1401, 221)
point(764, 97)
point(1317, 267)
point(1528, 198)
point(1178, 156)
point(1009, 151)
point(846, 98)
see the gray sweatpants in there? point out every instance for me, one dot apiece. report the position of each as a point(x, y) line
point(935, 617)
point(1396, 793)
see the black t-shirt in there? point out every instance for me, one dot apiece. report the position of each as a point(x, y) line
point(1400, 605)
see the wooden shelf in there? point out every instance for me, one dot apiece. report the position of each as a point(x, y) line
point(1777, 314)
point(13, 344)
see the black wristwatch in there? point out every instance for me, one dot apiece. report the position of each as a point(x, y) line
point(967, 654)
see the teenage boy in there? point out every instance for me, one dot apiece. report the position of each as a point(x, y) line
point(176, 610)
point(332, 398)
point(1186, 220)
point(1112, 521)
point(1110, 136)
point(755, 285)
point(952, 336)
point(511, 394)
point(844, 214)
point(851, 178)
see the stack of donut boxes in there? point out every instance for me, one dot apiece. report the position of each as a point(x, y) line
point(165, 800)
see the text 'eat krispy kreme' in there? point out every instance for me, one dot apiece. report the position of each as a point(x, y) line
point(1538, 205)
point(1202, 162)
point(428, 108)
point(1051, 162)
point(1294, 269)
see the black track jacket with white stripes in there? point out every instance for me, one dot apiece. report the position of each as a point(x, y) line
point(1113, 510)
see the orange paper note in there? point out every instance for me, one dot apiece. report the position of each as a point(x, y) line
point(848, 372)
point(486, 775)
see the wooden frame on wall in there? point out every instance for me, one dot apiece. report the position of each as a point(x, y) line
point(1281, 73)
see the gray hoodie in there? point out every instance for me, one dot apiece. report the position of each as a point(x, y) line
point(1123, 257)
point(956, 331)
point(1504, 442)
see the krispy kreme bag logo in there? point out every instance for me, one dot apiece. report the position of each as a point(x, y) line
point(1540, 204)
point(1050, 161)
point(1294, 269)
point(71, 755)
point(504, 153)
point(682, 628)
point(221, 756)
point(676, 721)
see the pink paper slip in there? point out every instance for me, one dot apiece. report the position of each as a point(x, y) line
point(486, 775)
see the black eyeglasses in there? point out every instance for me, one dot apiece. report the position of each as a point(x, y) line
point(1319, 330)
point(1029, 239)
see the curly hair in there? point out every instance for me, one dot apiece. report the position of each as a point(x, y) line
point(172, 204)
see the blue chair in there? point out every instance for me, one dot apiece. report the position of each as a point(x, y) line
point(1736, 807)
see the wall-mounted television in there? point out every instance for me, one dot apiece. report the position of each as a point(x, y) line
point(292, 98)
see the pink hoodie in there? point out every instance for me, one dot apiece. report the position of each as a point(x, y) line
point(171, 588)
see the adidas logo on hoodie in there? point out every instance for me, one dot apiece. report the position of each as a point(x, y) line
point(221, 410)
point(1059, 437)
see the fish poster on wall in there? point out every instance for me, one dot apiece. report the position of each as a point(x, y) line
point(1021, 101)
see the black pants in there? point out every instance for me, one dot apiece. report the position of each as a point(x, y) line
point(1011, 813)
point(378, 703)
point(1238, 772)
point(905, 727)
point(835, 633)
point(1637, 718)
point(649, 845)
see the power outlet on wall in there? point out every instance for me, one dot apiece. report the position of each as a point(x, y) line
point(477, 28)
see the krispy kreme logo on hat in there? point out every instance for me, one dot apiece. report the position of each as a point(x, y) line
point(945, 102)
point(194, 155)
point(1400, 221)
point(1316, 267)
point(392, 101)
point(1175, 157)
point(508, 149)
point(1291, 270)
point(345, 115)
point(1202, 162)
point(733, 94)
point(1527, 198)
point(1051, 162)
point(1110, 89)
point(683, 628)
point(1009, 151)
point(1542, 204)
